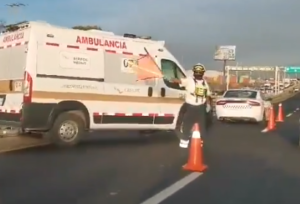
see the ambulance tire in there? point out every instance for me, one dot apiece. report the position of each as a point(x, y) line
point(68, 130)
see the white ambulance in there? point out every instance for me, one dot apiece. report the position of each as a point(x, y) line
point(64, 82)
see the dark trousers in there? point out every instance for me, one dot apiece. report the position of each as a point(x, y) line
point(189, 115)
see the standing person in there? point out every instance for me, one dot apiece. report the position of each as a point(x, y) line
point(197, 104)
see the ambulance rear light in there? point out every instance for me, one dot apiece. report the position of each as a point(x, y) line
point(127, 35)
point(27, 89)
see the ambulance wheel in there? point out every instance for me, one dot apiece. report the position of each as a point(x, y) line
point(68, 130)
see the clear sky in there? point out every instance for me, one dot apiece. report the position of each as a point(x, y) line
point(266, 32)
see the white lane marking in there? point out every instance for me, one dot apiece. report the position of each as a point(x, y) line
point(265, 130)
point(297, 109)
point(289, 115)
point(164, 194)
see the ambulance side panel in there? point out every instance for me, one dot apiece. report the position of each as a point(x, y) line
point(59, 69)
point(113, 69)
point(57, 61)
point(61, 81)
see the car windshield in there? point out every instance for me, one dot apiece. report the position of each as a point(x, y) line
point(240, 94)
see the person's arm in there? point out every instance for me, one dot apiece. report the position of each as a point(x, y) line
point(182, 82)
point(208, 94)
point(177, 81)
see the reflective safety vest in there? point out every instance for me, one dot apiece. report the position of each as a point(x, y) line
point(200, 90)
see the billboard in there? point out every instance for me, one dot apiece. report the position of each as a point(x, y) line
point(225, 52)
point(252, 68)
point(254, 72)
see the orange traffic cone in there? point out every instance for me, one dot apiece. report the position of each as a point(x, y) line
point(195, 161)
point(271, 123)
point(280, 114)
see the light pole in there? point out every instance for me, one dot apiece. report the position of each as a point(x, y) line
point(277, 79)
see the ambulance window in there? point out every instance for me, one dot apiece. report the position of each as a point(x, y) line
point(170, 70)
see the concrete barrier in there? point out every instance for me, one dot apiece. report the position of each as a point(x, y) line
point(12, 143)
point(287, 93)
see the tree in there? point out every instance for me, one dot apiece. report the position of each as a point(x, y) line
point(87, 27)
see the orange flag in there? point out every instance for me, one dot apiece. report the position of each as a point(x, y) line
point(146, 68)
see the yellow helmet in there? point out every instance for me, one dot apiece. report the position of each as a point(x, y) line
point(199, 68)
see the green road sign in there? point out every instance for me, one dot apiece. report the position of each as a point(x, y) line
point(292, 69)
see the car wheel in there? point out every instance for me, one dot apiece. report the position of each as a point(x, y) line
point(68, 130)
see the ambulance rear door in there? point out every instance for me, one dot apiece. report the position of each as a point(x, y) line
point(13, 57)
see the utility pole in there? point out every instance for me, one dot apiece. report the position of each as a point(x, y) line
point(14, 9)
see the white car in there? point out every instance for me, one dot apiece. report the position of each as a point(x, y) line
point(243, 105)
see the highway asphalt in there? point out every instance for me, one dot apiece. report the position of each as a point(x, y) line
point(248, 167)
point(245, 166)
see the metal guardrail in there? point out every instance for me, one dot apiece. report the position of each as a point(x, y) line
point(286, 94)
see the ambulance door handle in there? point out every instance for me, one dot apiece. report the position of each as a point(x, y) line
point(162, 92)
point(150, 91)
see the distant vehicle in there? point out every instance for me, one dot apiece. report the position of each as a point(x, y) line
point(243, 105)
point(281, 87)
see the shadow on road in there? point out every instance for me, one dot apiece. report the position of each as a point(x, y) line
point(290, 132)
point(116, 139)
point(113, 138)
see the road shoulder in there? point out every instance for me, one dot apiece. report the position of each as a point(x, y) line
point(20, 142)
